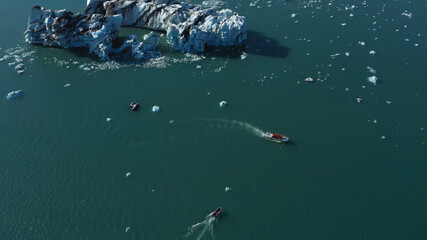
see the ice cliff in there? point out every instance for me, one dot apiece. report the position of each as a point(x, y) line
point(188, 28)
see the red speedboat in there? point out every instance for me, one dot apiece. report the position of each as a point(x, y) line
point(216, 213)
point(275, 137)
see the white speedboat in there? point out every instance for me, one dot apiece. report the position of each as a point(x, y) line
point(275, 137)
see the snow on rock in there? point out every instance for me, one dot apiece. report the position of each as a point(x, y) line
point(15, 94)
point(188, 28)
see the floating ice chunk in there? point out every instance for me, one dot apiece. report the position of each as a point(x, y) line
point(388, 102)
point(171, 121)
point(335, 55)
point(223, 104)
point(155, 109)
point(227, 189)
point(347, 89)
point(108, 119)
point(373, 79)
point(198, 66)
point(20, 66)
point(382, 137)
point(351, 15)
point(407, 14)
point(371, 70)
point(67, 85)
point(127, 229)
point(375, 121)
point(15, 94)
point(347, 54)
point(20, 71)
point(127, 174)
point(343, 24)
point(361, 43)
point(358, 100)
point(243, 56)
point(372, 52)
point(293, 15)
point(309, 79)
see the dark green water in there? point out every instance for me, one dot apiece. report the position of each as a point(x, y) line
point(352, 171)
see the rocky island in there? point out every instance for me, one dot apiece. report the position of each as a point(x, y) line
point(188, 28)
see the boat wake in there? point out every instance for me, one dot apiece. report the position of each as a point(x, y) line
point(200, 229)
point(243, 125)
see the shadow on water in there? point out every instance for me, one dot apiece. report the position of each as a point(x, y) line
point(256, 44)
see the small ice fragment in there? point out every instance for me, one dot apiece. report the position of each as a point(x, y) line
point(372, 52)
point(223, 104)
point(227, 189)
point(127, 174)
point(20, 71)
point(347, 89)
point(20, 66)
point(243, 56)
point(15, 94)
point(342, 69)
point(208, 93)
point(382, 137)
point(351, 15)
point(373, 79)
point(127, 229)
point(335, 55)
point(388, 102)
point(407, 14)
point(108, 119)
point(67, 85)
point(293, 15)
point(362, 43)
point(309, 79)
point(198, 66)
point(375, 121)
point(347, 54)
point(343, 24)
point(152, 190)
point(155, 109)
point(171, 121)
point(358, 100)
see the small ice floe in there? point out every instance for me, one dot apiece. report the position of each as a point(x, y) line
point(155, 109)
point(372, 52)
point(347, 89)
point(108, 119)
point(351, 15)
point(371, 70)
point(293, 15)
point(67, 85)
point(375, 120)
point(223, 104)
point(373, 79)
point(358, 100)
point(15, 94)
point(20, 67)
point(382, 137)
point(11, 64)
point(361, 43)
point(227, 189)
point(343, 24)
point(407, 14)
point(243, 56)
point(335, 55)
point(309, 79)
point(170, 121)
point(347, 54)
point(20, 71)
point(198, 66)
point(127, 174)
point(127, 229)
